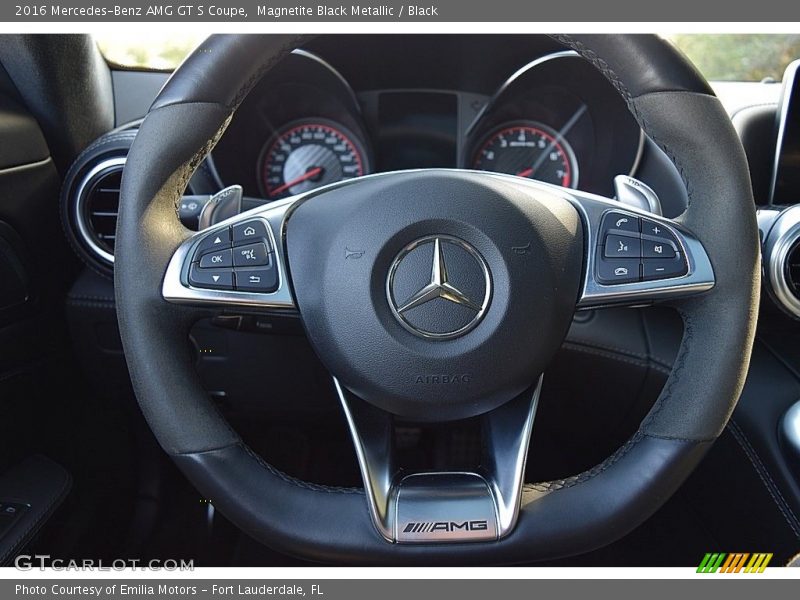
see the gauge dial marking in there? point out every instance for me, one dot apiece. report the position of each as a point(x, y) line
point(307, 155)
point(530, 149)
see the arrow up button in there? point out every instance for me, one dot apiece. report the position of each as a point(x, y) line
point(214, 242)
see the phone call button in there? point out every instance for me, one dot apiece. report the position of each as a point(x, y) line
point(617, 221)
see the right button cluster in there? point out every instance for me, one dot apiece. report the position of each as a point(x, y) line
point(632, 249)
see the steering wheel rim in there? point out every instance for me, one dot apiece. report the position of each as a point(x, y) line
point(674, 106)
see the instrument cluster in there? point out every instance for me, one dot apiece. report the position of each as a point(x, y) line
point(556, 119)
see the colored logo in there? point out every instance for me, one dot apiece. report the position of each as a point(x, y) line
point(738, 562)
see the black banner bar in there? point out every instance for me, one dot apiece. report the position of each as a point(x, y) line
point(743, 586)
point(298, 11)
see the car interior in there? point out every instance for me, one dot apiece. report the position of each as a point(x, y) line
point(397, 299)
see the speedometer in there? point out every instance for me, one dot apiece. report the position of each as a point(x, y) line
point(529, 149)
point(309, 154)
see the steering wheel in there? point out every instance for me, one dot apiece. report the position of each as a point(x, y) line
point(437, 295)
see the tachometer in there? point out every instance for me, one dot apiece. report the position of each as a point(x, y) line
point(529, 149)
point(309, 154)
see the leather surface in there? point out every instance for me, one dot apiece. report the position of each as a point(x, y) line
point(773, 387)
point(670, 101)
point(148, 232)
point(223, 69)
point(40, 483)
point(66, 84)
point(332, 524)
point(719, 326)
point(707, 378)
point(639, 64)
point(23, 141)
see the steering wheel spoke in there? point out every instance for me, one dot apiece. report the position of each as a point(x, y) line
point(440, 507)
point(634, 257)
point(239, 262)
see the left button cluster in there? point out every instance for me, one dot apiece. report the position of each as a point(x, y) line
point(235, 258)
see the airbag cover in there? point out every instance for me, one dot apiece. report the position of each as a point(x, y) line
point(511, 253)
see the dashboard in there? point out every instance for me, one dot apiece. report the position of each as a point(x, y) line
point(310, 123)
point(349, 106)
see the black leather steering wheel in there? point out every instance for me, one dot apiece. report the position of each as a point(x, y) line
point(494, 267)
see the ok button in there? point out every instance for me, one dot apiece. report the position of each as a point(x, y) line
point(622, 246)
point(218, 259)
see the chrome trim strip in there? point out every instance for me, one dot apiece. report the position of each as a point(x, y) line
point(506, 477)
point(766, 218)
point(79, 205)
point(789, 79)
point(375, 461)
point(512, 78)
point(524, 69)
point(698, 279)
point(637, 160)
point(176, 287)
point(324, 63)
point(700, 276)
point(507, 432)
point(790, 426)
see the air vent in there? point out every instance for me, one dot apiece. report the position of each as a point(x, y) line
point(791, 269)
point(90, 197)
point(97, 207)
point(781, 255)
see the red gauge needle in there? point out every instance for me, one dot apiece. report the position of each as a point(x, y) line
point(526, 173)
point(311, 173)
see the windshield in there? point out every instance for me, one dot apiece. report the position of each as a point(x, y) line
point(147, 50)
point(720, 57)
point(739, 57)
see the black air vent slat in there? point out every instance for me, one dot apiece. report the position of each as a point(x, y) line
point(102, 206)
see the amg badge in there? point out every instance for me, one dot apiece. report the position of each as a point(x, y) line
point(449, 526)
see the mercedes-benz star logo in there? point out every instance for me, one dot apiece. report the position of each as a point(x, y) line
point(449, 303)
